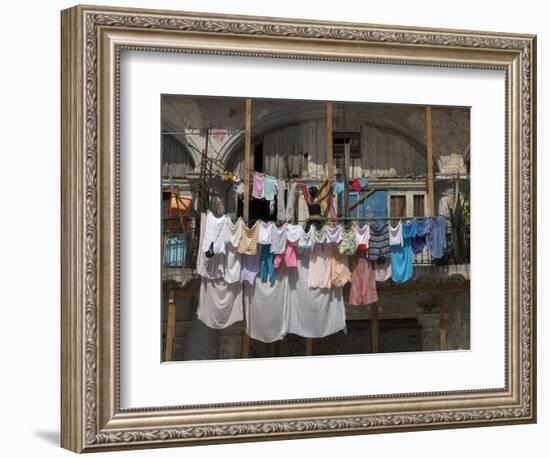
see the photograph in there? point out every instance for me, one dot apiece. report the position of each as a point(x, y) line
point(307, 228)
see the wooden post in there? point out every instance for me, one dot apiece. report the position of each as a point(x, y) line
point(246, 197)
point(309, 346)
point(375, 326)
point(442, 324)
point(429, 160)
point(247, 142)
point(170, 327)
point(330, 159)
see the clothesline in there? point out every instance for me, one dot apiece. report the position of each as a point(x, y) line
point(367, 218)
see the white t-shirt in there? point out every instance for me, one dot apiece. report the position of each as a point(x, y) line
point(214, 233)
point(396, 234)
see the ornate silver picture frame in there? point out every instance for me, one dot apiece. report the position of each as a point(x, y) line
point(93, 39)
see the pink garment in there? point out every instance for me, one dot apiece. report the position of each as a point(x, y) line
point(319, 275)
point(363, 284)
point(258, 185)
point(355, 184)
point(289, 256)
point(303, 188)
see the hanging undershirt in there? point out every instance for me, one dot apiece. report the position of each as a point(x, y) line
point(402, 255)
point(319, 275)
point(379, 242)
point(278, 238)
point(250, 264)
point(362, 237)
point(306, 239)
point(233, 232)
point(340, 273)
point(266, 306)
point(313, 313)
point(249, 239)
point(436, 240)
point(396, 234)
point(270, 185)
point(293, 232)
point(348, 243)
point(220, 304)
point(333, 234)
point(363, 283)
point(264, 236)
point(214, 233)
point(258, 185)
point(319, 235)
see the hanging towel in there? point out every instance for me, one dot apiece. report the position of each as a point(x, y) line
point(289, 211)
point(313, 313)
point(249, 239)
point(266, 306)
point(258, 185)
point(232, 265)
point(220, 303)
point(340, 273)
point(338, 186)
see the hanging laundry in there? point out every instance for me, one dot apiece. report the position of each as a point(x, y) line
point(289, 256)
point(402, 255)
point(233, 232)
point(267, 267)
point(220, 303)
point(319, 266)
point(362, 237)
point(306, 241)
point(232, 265)
point(250, 265)
point(264, 237)
point(212, 267)
point(249, 239)
point(333, 234)
point(238, 188)
point(258, 185)
point(313, 313)
point(379, 242)
point(340, 272)
point(396, 234)
point(423, 228)
point(289, 210)
point(266, 306)
point(338, 186)
point(348, 244)
point(319, 235)
point(436, 240)
point(270, 187)
point(363, 183)
point(363, 283)
point(278, 238)
point(214, 234)
point(383, 269)
point(281, 214)
point(293, 232)
point(355, 184)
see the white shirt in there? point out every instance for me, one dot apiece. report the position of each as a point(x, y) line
point(396, 234)
point(214, 233)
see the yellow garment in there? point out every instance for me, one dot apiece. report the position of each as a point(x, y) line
point(228, 176)
point(341, 273)
point(249, 239)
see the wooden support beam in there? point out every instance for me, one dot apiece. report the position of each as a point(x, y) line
point(247, 148)
point(442, 323)
point(429, 160)
point(309, 346)
point(170, 328)
point(330, 157)
point(375, 328)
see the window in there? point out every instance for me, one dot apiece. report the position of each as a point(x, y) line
point(418, 205)
point(397, 206)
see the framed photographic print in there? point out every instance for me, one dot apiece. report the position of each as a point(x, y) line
point(278, 228)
